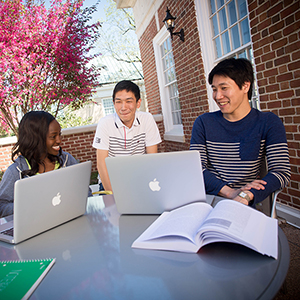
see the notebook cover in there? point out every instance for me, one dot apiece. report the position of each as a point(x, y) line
point(18, 279)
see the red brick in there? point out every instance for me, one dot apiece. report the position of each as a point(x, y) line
point(272, 88)
point(276, 27)
point(292, 28)
point(286, 94)
point(295, 83)
point(282, 60)
point(279, 44)
point(275, 9)
point(290, 10)
point(284, 77)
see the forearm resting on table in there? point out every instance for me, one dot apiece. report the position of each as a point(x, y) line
point(230, 193)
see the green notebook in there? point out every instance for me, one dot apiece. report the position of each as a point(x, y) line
point(18, 279)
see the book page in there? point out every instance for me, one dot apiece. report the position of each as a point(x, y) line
point(230, 216)
point(184, 221)
point(234, 221)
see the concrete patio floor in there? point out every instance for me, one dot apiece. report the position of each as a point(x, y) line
point(291, 288)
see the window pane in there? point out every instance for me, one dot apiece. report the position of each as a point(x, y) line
point(212, 6)
point(235, 37)
point(108, 106)
point(163, 49)
point(245, 31)
point(218, 47)
point(173, 90)
point(170, 76)
point(220, 3)
point(168, 41)
point(232, 13)
point(178, 104)
point(171, 62)
point(167, 76)
point(175, 104)
point(176, 118)
point(225, 42)
point(242, 8)
point(215, 25)
point(243, 54)
point(223, 20)
point(166, 63)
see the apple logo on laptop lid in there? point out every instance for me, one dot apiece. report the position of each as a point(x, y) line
point(154, 185)
point(56, 199)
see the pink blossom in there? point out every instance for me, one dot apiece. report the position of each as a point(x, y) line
point(44, 57)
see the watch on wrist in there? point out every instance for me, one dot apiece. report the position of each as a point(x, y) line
point(245, 196)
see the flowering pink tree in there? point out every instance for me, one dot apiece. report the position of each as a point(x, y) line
point(44, 57)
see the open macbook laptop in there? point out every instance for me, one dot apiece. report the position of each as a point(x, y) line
point(47, 200)
point(153, 183)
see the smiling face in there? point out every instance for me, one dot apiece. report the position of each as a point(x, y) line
point(126, 105)
point(232, 101)
point(53, 138)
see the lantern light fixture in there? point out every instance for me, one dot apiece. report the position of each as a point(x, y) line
point(170, 24)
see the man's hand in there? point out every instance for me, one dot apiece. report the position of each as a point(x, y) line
point(256, 184)
point(230, 193)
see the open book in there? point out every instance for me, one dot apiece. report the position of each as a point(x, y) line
point(188, 228)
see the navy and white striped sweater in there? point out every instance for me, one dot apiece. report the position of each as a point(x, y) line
point(232, 152)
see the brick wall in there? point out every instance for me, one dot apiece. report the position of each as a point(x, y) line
point(275, 30)
point(80, 146)
point(5, 156)
point(188, 63)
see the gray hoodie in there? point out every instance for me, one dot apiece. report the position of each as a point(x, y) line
point(13, 173)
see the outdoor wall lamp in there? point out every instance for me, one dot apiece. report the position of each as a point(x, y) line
point(170, 24)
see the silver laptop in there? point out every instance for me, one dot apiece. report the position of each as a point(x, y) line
point(153, 183)
point(47, 200)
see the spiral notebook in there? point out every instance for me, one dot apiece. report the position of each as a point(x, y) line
point(20, 278)
point(46, 200)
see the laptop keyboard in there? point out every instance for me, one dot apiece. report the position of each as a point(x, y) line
point(9, 232)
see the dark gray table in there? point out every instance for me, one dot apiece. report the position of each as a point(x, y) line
point(94, 260)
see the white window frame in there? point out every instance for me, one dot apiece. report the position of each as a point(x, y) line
point(172, 132)
point(207, 46)
point(104, 99)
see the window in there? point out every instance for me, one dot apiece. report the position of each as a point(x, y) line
point(108, 106)
point(168, 89)
point(170, 80)
point(229, 20)
point(227, 27)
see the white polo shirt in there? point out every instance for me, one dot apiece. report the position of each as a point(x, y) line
point(112, 135)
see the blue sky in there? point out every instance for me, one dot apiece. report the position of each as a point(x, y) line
point(100, 10)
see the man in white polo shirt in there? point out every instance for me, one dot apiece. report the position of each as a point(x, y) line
point(126, 132)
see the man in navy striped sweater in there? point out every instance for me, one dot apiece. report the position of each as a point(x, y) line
point(234, 141)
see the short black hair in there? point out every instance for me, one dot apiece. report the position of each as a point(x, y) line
point(239, 70)
point(129, 86)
